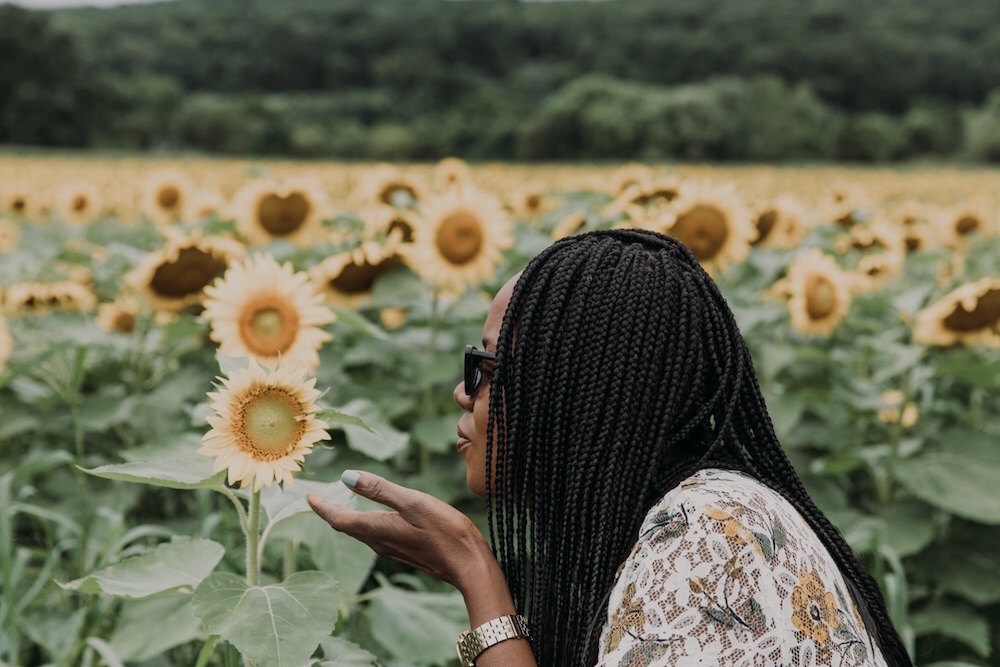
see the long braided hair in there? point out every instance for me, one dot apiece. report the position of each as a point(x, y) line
point(620, 371)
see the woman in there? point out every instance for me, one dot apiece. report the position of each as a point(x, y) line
point(640, 507)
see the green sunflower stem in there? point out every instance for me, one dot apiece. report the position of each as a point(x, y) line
point(253, 534)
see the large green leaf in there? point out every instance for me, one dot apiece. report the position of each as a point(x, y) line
point(419, 628)
point(964, 563)
point(382, 444)
point(171, 567)
point(954, 620)
point(281, 502)
point(147, 628)
point(960, 484)
point(278, 625)
point(338, 652)
point(192, 472)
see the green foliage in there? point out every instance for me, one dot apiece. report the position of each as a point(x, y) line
point(394, 79)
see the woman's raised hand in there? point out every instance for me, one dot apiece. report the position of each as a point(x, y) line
point(423, 532)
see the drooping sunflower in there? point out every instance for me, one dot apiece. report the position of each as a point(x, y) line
point(347, 278)
point(875, 271)
point(175, 276)
point(267, 211)
point(969, 315)
point(165, 195)
point(713, 223)
point(569, 225)
point(387, 184)
point(119, 315)
point(452, 172)
point(264, 425)
point(781, 223)
point(844, 204)
point(397, 225)
point(6, 344)
point(462, 236)
point(819, 293)
point(648, 195)
point(78, 202)
point(267, 311)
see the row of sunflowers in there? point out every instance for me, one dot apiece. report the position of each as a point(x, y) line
point(331, 301)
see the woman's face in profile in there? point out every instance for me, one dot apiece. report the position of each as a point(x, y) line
point(472, 424)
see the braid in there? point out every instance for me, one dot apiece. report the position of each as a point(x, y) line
point(629, 375)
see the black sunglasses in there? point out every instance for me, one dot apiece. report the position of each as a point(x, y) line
point(473, 368)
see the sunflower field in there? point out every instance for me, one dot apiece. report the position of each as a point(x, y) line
point(189, 347)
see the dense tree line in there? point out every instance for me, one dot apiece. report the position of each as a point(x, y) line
point(417, 79)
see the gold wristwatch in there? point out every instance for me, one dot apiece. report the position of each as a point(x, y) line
point(473, 642)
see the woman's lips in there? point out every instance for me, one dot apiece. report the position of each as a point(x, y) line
point(462, 443)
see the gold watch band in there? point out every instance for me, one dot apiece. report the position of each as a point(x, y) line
point(472, 643)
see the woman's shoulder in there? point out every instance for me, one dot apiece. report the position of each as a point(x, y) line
point(724, 566)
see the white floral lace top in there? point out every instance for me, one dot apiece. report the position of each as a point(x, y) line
point(726, 572)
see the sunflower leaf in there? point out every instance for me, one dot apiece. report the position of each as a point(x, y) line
point(171, 567)
point(194, 472)
point(278, 625)
point(342, 418)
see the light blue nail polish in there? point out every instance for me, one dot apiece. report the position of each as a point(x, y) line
point(350, 478)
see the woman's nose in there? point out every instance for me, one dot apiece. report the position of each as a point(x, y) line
point(463, 399)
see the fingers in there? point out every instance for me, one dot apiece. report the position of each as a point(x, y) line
point(356, 524)
point(379, 489)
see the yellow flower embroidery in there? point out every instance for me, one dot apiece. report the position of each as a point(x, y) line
point(814, 609)
point(629, 616)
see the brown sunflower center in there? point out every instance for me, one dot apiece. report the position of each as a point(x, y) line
point(966, 225)
point(269, 324)
point(168, 197)
point(703, 229)
point(124, 322)
point(399, 195)
point(359, 278)
point(821, 297)
point(282, 216)
point(460, 236)
point(765, 225)
point(188, 274)
point(985, 314)
point(405, 228)
point(271, 424)
point(19, 204)
point(79, 204)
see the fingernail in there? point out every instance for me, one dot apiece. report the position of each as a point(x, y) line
point(350, 478)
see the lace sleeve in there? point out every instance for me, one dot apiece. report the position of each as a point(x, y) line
point(725, 572)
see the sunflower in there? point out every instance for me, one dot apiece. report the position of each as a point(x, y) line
point(10, 235)
point(19, 201)
point(264, 425)
point(386, 184)
point(462, 236)
point(6, 343)
point(267, 311)
point(397, 224)
point(969, 315)
point(268, 211)
point(77, 203)
point(174, 277)
point(452, 172)
point(529, 202)
point(571, 224)
point(42, 297)
point(346, 279)
point(119, 315)
point(648, 195)
point(875, 271)
point(202, 204)
point(957, 224)
point(166, 195)
point(713, 223)
point(628, 176)
point(393, 317)
point(818, 293)
point(893, 411)
point(844, 205)
point(782, 223)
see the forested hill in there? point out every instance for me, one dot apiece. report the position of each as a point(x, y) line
point(623, 78)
